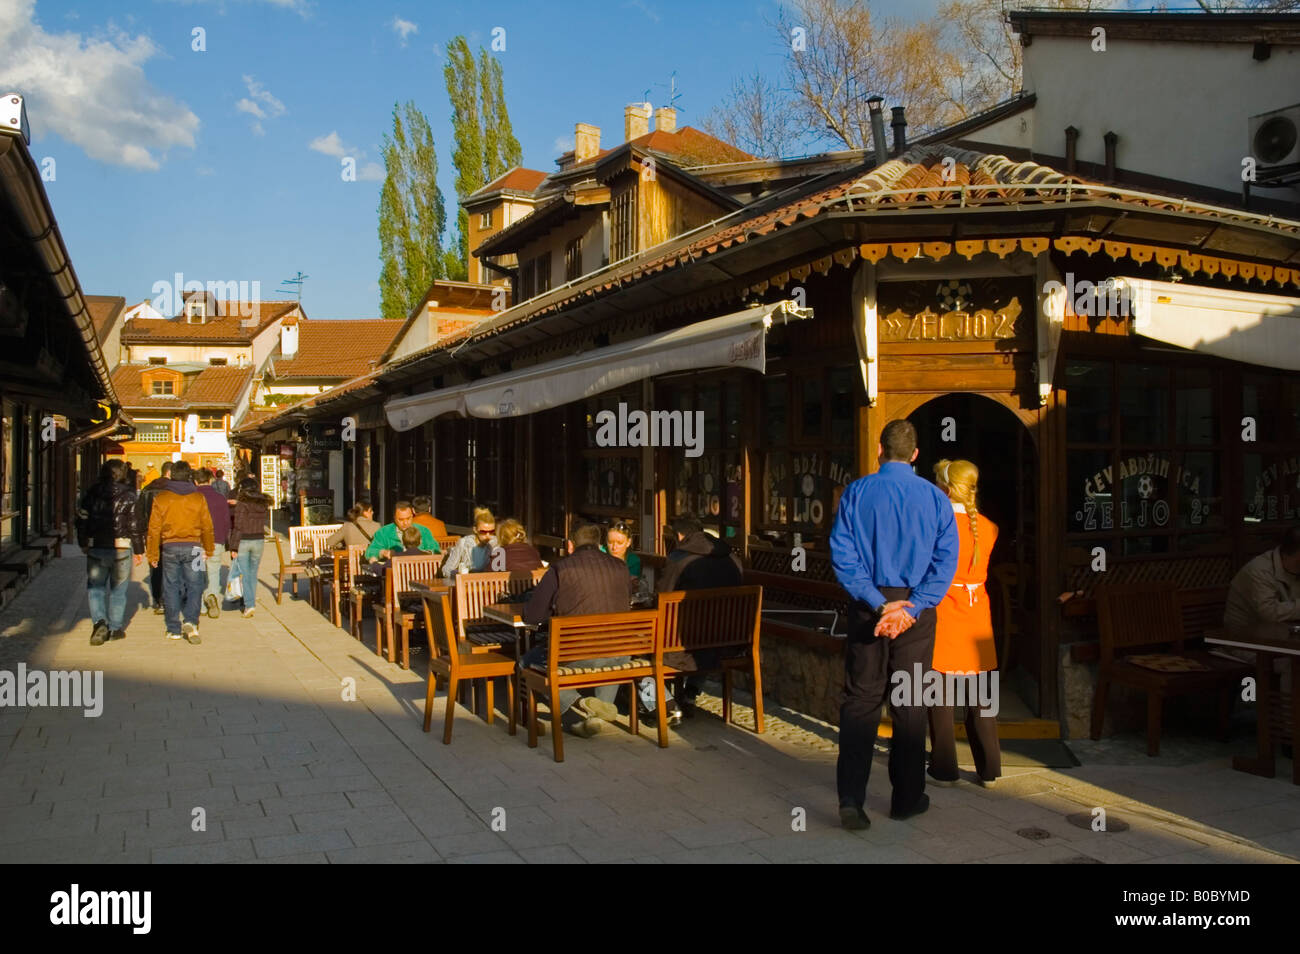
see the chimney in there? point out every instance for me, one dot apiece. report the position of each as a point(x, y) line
point(899, 123)
point(665, 119)
point(636, 121)
point(586, 142)
point(289, 336)
point(1071, 148)
point(878, 130)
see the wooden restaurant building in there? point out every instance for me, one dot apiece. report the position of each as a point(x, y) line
point(1094, 341)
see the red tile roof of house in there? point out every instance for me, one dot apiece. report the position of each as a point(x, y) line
point(239, 321)
point(339, 349)
point(104, 310)
point(517, 179)
point(691, 147)
point(214, 387)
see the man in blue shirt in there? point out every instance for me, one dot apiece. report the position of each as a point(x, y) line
point(894, 549)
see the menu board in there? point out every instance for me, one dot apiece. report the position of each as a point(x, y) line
point(271, 478)
point(317, 506)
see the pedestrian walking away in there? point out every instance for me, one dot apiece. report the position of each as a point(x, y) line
point(144, 509)
point(249, 520)
point(964, 647)
point(180, 541)
point(108, 531)
point(894, 550)
point(219, 511)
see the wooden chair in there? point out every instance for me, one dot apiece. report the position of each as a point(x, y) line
point(1006, 577)
point(404, 571)
point(288, 570)
point(317, 578)
point(477, 590)
point(446, 543)
point(301, 537)
point(343, 576)
point(725, 618)
point(597, 636)
point(1147, 615)
point(451, 660)
point(360, 597)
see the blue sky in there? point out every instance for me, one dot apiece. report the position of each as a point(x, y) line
point(170, 160)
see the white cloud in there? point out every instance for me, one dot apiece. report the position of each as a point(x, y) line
point(371, 172)
point(259, 104)
point(91, 91)
point(330, 145)
point(403, 28)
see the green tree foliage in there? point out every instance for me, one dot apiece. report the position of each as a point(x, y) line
point(485, 144)
point(412, 215)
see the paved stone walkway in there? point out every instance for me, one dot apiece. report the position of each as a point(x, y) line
point(252, 728)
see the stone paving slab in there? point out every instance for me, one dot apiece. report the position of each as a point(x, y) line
point(300, 745)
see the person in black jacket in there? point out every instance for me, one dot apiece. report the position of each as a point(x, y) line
point(587, 581)
point(108, 531)
point(249, 518)
point(143, 510)
point(698, 562)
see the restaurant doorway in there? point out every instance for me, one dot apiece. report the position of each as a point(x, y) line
point(989, 434)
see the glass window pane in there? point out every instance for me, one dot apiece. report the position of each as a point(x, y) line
point(1189, 542)
point(1134, 546)
point(842, 405)
point(1200, 496)
point(1090, 494)
point(1195, 414)
point(711, 404)
point(732, 411)
point(1143, 404)
point(1088, 417)
point(776, 487)
point(775, 402)
point(810, 427)
point(1274, 403)
point(1271, 487)
point(1144, 492)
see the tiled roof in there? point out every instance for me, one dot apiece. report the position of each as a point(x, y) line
point(241, 321)
point(690, 147)
point(104, 310)
point(517, 179)
point(337, 348)
point(213, 387)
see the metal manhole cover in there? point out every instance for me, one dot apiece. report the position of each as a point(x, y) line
point(1087, 819)
point(1033, 834)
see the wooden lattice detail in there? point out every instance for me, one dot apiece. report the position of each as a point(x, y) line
point(1188, 573)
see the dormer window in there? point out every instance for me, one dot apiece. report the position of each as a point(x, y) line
point(485, 219)
point(163, 387)
point(217, 362)
point(195, 311)
point(156, 359)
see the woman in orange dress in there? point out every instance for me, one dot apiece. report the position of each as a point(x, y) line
point(963, 641)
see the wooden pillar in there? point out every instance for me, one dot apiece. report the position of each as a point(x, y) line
point(1051, 543)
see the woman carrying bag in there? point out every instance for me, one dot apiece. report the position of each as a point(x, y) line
point(249, 518)
point(963, 641)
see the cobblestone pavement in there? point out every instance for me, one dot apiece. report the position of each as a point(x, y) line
point(252, 728)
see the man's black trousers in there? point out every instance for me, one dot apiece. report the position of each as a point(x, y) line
point(869, 665)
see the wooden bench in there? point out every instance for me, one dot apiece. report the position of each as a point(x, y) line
point(8, 586)
point(715, 620)
point(24, 562)
point(596, 636)
point(53, 546)
point(788, 595)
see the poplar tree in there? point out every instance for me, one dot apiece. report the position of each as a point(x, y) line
point(484, 142)
point(412, 215)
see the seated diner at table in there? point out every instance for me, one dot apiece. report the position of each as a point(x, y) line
point(473, 552)
point(1267, 588)
point(519, 553)
point(388, 538)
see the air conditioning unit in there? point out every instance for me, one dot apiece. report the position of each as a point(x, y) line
point(1275, 141)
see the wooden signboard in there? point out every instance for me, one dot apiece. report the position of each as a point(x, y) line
point(960, 310)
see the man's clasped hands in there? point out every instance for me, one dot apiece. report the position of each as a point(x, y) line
point(894, 619)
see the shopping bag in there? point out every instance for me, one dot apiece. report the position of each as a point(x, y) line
point(234, 586)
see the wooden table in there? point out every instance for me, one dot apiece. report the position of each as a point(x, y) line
point(1277, 715)
point(511, 615)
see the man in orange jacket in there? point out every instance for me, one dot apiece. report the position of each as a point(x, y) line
point(180, 540)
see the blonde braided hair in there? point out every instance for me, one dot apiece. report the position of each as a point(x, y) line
point(959, 479)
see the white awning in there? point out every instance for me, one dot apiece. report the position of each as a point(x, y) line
point(732, 341)
point(1263, 330)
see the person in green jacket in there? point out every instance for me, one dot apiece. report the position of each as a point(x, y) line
point(388, 538)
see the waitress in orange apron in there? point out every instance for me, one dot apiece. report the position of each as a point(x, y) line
point(963, 641)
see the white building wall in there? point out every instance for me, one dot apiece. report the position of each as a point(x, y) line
point(1180, 109)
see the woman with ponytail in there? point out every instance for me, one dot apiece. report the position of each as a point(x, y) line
point(963, 640)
